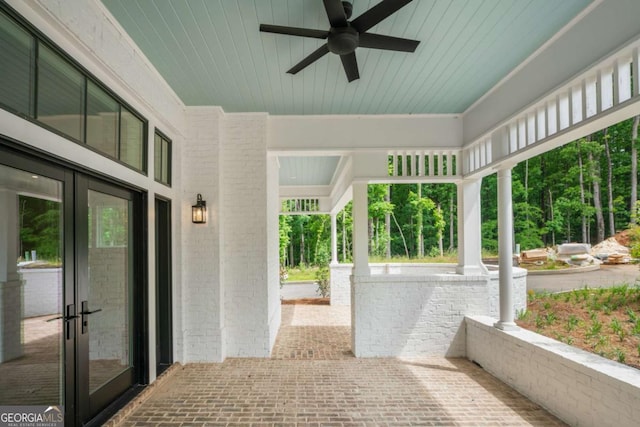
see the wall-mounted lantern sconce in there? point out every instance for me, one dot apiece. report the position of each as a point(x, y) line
point(199, 211)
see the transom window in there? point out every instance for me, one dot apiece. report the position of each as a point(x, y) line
point(162, 158)
point(63, 97)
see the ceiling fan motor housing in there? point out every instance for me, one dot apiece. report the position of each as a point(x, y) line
point(343, 40)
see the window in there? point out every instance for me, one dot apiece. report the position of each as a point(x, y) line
point(132, 140)
point(162, 159)
point(60, 94)
point(16, 74)
point(66, 97)
point(103, 117)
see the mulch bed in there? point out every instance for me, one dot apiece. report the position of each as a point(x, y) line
point(306, 301)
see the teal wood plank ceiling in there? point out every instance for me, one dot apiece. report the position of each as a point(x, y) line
point(211, 52)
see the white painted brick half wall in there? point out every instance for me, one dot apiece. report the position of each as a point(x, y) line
point(202, 260)
point(341, 284)
point(249, 279)
point(408, 316)
point(42, 291)
point(581, 388)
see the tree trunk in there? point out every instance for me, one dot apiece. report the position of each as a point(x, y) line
point(344, 237)
point(553, 231)
point(451, 219)
point(581, 179)
point(634, 168)
point(387, 223)
point(291, 260)
point(370, 226)
point(404, 242)
point(301, 244)
point(419, 227)
point(597, 204)
point(440, 248)
point(612, 224)
point(526, 190)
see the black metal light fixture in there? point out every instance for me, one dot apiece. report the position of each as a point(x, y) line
point(199, 211)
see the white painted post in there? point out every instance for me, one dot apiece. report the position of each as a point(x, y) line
point(11, 285)
point(360, 230)
point(334, 240)
point(469, 229)
point(505, 250)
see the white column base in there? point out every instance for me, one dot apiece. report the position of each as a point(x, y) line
point(506, 326)
point(472, 270)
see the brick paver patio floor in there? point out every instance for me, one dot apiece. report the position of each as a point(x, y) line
point(313, 379)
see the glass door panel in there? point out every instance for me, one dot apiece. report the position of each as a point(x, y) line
point(106, 313)
point(32, 327)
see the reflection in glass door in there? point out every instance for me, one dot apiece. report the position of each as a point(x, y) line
point(109, 284)
point(105, 293)
point(32, 328)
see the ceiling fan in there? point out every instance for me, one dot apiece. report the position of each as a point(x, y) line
point(345, 36)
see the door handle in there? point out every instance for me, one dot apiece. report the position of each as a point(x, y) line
point(85, 312)
point(65, 318)
point(71, 314)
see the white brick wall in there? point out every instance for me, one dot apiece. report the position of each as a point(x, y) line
point(579, 387)
point(251, 269)
point(418, 309)
point(202, 260)
point(414, 316)
point(519, 291)
point(42, 291)
point(11, 306)
point(108, 290)
point(273, 248)
point(341, 284)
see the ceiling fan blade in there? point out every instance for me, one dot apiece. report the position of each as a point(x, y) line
point(350, 66)
point(335, 13)
point(294, 31)
point(377, 13)
point(377, 41)
point(317, 54)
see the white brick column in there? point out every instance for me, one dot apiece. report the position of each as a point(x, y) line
point(505, 250)
point(469, 229)
point(360, 230)
point(203, 322)
point(11, 300)
point(334, 239)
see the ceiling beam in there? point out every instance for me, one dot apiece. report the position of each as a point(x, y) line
point(351, 133)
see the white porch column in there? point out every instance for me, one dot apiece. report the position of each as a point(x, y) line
point(505, 250)
point(360, 231)
point(469, 229)
point(11, 300)
point(334, 239)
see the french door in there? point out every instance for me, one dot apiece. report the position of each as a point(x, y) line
point(70, 288)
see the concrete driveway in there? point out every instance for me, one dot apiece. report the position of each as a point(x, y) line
point(606, 276)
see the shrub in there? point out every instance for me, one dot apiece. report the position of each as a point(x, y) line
point(323, 281)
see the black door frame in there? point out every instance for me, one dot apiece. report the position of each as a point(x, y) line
point(20, 156)
point(164, 309)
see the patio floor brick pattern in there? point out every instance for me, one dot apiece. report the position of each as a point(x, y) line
point(313, 379)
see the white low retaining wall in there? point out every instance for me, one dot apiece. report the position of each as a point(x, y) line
point(580, 388)
point(400, 314)
point(341, 281)
point(42, 291)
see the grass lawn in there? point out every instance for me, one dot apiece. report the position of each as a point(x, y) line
point(301, 274)
point(605, 321)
